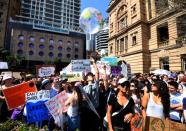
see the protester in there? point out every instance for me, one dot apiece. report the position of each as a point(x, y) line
point(74, 103)
point(157, 103)
point(120, 109)
point(176, 105)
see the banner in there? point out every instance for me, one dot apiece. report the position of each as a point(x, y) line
point(155, 124)
point(113, 61)
point(116, 70)
point(45, 70)
point(80, 65)
point(3, 65)
point(56, 106)
point(15, 95)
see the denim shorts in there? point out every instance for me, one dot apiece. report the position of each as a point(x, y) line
point(73, 123)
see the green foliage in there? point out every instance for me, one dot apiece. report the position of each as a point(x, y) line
point(11, 125)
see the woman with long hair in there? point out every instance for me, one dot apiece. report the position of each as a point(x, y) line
point(157, 102)
point(74, 103)
point(120, 109)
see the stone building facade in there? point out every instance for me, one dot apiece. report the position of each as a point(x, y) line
point(136, 36)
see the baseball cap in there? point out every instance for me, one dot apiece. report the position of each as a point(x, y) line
point(6, 77)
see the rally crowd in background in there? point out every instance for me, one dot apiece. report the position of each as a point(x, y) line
point(116, 99)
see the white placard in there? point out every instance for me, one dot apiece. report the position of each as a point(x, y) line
point(81, 65)
point(3, 65)
point(37, 96)
point(46, 71)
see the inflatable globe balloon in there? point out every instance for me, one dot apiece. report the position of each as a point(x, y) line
point(91, 20)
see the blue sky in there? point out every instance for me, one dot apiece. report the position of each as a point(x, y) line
point(101, 5)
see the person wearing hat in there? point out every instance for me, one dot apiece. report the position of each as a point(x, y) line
point(46, 85)
point(7, 81)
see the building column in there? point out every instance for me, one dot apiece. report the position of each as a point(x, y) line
point(153, 8)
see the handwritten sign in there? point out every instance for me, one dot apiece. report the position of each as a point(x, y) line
point(155, 124)
point(73, 76)
point(56, 106)
point(115, 70)
point(46, 71)
point(36, 96)
point(113, 61)
point(81, 65)
point(15, 95)
point(3, 65)
point(36, 112)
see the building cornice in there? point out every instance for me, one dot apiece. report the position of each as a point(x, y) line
point(175, 46)
point(111, 6)
point(134, 52)
point(127, 29)
point(165, 14)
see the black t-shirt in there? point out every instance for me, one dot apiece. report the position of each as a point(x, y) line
point(118, 119)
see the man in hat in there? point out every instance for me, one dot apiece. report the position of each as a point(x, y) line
point(7, 81)
point(46, 85)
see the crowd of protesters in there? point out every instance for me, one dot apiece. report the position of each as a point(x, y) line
point(116, 99)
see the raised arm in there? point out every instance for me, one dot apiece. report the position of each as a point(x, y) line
point(105, 79)
point(95, 68)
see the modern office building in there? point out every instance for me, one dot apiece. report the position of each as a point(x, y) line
point(148, 34)
point(102, 38)
point(46, 30)
point(57, 15)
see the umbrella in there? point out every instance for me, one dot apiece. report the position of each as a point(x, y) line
point(161, 72)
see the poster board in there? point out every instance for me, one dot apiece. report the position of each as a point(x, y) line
point(155, 124)
point(45, 70)
point(80, 65)
point(15, 95)
point(3, 65)
point(73, 76)
point(56, 105)
point(113, 61)
point(35, 106)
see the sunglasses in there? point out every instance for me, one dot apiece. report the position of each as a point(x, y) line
point(132, 85)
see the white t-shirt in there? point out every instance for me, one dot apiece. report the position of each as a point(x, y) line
point(175, 99)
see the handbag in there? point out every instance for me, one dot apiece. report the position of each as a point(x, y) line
point(136, 122)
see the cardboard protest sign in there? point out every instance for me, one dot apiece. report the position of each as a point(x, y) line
point(56, 106)
point(80, 65)
point(37, 96)
point(113, 61)
point(45, 70)
point(3, 65)
point(155, 124)
point(100, 65)
point(116, 70)
point(15, 95)
point(35, 106)
point(73, 76)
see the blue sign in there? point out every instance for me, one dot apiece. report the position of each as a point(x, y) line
point(113, 61)
point(36, 112)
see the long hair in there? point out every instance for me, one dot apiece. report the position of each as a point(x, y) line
point(80, 97)
point(165, 97)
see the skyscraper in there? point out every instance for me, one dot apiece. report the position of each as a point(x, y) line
point(55, 15)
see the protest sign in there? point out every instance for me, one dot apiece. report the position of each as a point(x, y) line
point(155, 124)
point(100, 65)
point(73, 76)
point(56, 106)
point(15, 95)
point(116, 70)
point(81, 65)
point(113, 61)
point(37, 96)
point(3, 65)
point(35, 106)
point(45, 70)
